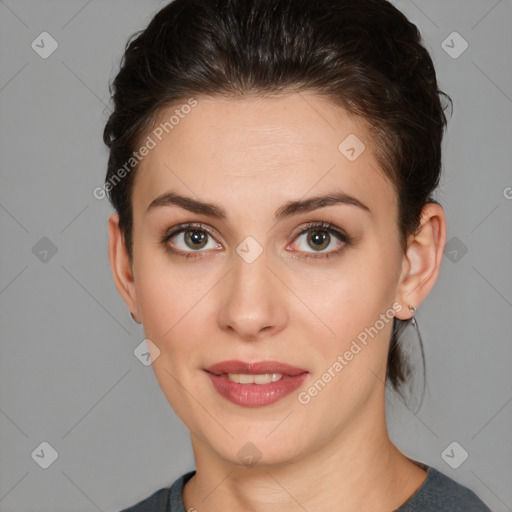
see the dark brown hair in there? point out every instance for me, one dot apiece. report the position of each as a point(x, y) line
point(361, 54)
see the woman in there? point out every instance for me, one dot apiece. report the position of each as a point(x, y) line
point(272, 164)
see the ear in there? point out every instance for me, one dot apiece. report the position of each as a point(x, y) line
point(121, 266)
point(422, 259)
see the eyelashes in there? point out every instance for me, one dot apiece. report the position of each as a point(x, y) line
point(197, 233)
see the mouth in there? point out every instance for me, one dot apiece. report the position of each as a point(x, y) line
point(255, 384)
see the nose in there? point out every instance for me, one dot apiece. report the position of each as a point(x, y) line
point(254, 300)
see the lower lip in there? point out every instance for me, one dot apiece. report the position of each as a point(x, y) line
point(256, 395)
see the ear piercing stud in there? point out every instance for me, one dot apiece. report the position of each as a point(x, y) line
point(412, 319)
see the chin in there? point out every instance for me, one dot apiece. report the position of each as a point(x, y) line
point(258, 449)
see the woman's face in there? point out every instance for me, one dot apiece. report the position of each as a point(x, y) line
point(247, 286)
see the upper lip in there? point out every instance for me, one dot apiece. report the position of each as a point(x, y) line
point(256, 368)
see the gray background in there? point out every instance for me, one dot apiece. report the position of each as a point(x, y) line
point(68, 375)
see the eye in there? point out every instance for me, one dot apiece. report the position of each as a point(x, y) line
point(195, 237)
point(319, 236)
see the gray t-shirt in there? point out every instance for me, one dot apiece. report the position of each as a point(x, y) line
point(438, 493)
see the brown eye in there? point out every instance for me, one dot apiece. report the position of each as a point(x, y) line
point(195, 239)
point(318, 240)
point(320, 236)
point(189, 240)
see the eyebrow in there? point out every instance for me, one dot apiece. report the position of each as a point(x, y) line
point(286, 210)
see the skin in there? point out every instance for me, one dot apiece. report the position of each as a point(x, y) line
point(250, 157)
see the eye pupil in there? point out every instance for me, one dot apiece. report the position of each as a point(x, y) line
point(319, 241)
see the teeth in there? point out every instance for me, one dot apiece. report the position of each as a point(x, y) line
point(256, 379)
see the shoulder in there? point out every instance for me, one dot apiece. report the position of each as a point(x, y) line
point(167, 499)
point(441, 493)
point(157, 502)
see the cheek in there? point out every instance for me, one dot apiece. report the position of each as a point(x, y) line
point(173, 315)
point(348, 294)
point(177, 307)
point(351, 337)
point(167, 291)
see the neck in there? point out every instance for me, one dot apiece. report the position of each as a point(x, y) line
point(359, 469)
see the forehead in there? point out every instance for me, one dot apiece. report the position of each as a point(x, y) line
point(260, 152)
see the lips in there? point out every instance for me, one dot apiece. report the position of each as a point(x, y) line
point(257, 368)
point(227, 377)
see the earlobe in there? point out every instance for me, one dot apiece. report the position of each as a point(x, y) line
point(422, 259)
point(121, 266)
